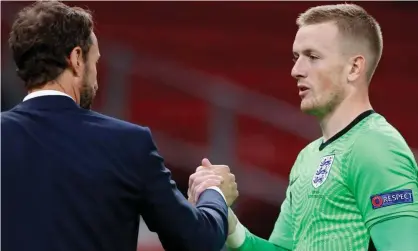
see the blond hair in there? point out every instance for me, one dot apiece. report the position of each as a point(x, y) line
point(354, 23)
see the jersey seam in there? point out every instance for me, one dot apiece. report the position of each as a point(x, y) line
point(391, 216)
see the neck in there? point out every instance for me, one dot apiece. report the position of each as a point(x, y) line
point(60, 84)
point(343, 115)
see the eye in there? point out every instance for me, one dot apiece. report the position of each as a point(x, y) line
point(313, 57)
point(295, 58)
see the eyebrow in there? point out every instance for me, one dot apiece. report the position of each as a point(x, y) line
point(306, 52)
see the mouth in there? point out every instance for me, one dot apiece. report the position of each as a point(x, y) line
point(303, 90)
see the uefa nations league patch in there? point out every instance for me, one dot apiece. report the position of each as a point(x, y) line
point(392, 198)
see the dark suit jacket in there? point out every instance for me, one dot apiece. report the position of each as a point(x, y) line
point(74, 179)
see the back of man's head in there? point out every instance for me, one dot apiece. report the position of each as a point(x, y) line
point(42, 38)
point(359, 30)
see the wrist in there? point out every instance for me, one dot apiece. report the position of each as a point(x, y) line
point(236, 238)
point(232, 221)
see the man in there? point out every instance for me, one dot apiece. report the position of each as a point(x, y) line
point(74, 179)
point(358, 183)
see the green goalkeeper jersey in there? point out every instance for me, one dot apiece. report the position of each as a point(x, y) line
point(339, 189)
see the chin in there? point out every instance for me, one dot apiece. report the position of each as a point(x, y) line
point(308, 108)
point(307, 111)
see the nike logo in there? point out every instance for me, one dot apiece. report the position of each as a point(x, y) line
point(293, 181)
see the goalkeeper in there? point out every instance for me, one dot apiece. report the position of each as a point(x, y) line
point(358, 183)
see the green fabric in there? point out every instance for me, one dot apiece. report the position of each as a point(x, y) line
point(254, 243)
point(382, 164)
point(282, 234)
point(328, 203)
point(396, 234)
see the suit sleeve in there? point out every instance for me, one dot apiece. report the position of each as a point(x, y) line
point(179, 225)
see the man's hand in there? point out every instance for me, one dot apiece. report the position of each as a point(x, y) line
point(200, 181)
point(209, 175)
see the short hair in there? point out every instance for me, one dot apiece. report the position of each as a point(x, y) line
point(43, 36)
point(353, 22)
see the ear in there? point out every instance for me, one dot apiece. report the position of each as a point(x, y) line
point(357, 68)
point(76, 61)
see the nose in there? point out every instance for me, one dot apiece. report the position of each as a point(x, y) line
point(298, 70)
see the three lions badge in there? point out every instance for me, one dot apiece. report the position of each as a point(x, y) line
point(323, 170)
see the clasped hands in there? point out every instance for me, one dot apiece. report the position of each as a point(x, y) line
point(208, 175)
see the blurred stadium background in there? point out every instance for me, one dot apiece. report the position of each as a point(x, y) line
point(212, 79)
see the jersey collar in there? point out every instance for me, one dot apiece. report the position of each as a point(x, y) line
point(346, 129)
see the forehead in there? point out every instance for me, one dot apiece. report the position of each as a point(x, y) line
point(94, 38)
point(320, 37)
point(94, 49)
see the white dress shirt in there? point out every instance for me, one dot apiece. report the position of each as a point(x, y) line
point(36, 94)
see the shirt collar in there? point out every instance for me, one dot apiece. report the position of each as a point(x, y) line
point(36, 94)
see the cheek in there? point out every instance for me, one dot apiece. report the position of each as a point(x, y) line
point(324, 82)
point(94, 78)
point(331, 88)
point(93, 69)
point(93, 73)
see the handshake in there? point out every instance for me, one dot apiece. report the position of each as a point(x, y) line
point(208, 175)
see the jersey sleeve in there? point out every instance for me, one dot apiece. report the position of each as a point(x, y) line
point(382, 175)
point(282, 234)
point(280, 239)
point(396, 234)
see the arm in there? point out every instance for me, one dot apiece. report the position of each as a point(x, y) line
point(243, 240)
point(396, 234)
point(179, 225)
point(281, 239)
point(382, 175)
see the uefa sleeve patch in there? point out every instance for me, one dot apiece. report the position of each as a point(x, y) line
point(392, 198)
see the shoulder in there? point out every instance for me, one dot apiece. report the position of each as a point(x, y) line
point(116, 124)
point(311, 147)
point(9, 117)
point(120, 129)
point(379, 136)
point(5, 116)
point(379, 144)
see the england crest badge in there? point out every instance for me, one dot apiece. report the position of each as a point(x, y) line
point(321, 174)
